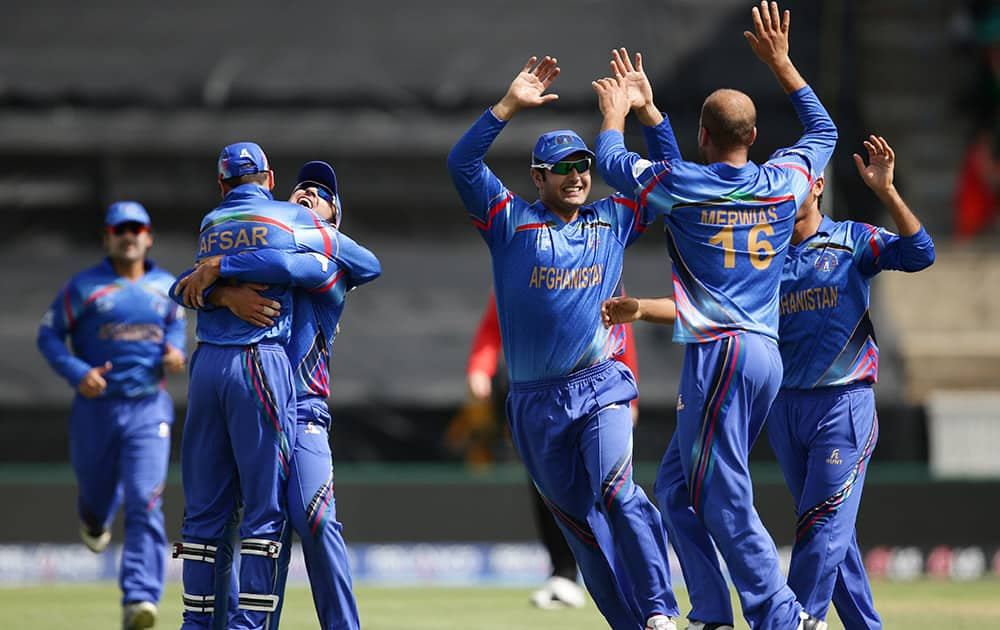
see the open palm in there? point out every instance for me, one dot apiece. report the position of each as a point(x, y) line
point(635, 81)
point(878, 173)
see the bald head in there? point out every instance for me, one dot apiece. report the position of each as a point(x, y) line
point(730, 117)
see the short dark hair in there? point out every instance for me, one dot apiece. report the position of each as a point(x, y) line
point(261, 179)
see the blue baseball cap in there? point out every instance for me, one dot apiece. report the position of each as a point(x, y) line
point(319, 173)
point(126, 212)
point(555, 145)
point(242, 158)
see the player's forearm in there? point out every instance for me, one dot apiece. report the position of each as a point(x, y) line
point(657, 310)
point(60, 359)
point(788, 75)
point(613, 121)
point(649, 115)
point(907, 223)
point(661, 143)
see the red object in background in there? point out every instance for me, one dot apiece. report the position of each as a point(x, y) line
point(975, 199)
point(939, 562)
point(486, 344)
point(877, 562)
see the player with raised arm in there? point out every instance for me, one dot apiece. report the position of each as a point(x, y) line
point(728, 225)
point(554, 261)
point(822, 425)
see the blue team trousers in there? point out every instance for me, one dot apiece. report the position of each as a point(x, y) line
point(235, 452)
point(312, 510)
point(119, 448)
point(823, 439)
point(704, 489)
point(574, 435)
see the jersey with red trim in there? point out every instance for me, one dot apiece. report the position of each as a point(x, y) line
point(111, 318)
point(727, 227)
point(250, 219)
point(321, 285)
point(485, 351)
point(826, 335)
point(549, 277)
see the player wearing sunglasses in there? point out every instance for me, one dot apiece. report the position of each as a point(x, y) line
point(125, 333)
point(555, 260)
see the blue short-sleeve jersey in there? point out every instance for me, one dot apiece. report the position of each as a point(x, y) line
point(111, 318)
point(727, 227)
point(550, 277)
point(826, 335)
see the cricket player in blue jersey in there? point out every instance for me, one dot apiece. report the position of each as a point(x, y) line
point(315, 315)
point(125, 333)
point(554, 261)
point(728, 224)
point(240, 426)
point(823, 426)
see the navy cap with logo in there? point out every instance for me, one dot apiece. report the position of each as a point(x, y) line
point(242, 158)
point(126, 212)
point(321, 175)
point(555, 145)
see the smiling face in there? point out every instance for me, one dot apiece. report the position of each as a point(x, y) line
point(563, 194)
point(311, 197)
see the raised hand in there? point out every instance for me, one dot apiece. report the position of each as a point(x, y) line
point(877, 175)
point(612, 98)
point(640, 91)
point(619, 310)
point(770, 42)
point(93, 384)
point(528, 87)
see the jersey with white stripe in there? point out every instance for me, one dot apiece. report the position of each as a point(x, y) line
point(550, 277)
point(111, 318)
point(727, 227)
point(826, 335)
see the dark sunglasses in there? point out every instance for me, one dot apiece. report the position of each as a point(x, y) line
point(129, 226)
point(563, 168)
point(322, 191)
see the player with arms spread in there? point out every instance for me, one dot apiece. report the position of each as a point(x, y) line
point(728, 224)
point(554, 261)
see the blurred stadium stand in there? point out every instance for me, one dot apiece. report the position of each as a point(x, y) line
point(130, 100)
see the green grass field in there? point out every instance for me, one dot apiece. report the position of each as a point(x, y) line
point(924, 604)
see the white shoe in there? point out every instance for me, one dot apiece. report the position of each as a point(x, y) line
point(701, 625)
point(559, 592)
point(98, 543)
point(808, 622)
point(139, 615)
point(660, 622)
